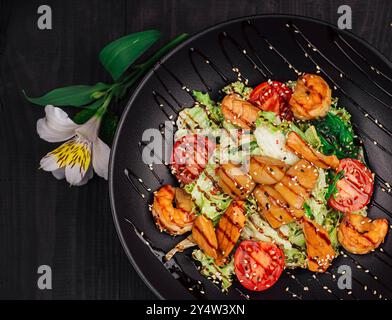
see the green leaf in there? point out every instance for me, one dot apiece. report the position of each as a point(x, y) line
point(84, 115)
point(308, 211)
point(332, 186)
point(108, 127)
point(76, 96)
point(118, 55)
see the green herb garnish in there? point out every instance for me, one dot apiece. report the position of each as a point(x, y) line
point(308, 211)
point(332, 189)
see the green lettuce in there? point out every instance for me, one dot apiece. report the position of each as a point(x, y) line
point(195, 118)
point(213, 109)
point(211, 201)
point(221, 274)
point(239, 88)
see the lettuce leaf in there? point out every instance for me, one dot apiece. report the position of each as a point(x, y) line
point(213, 109)
point(256, 228)
point(272, 144)
point(195, 118)
point(239, 88)
point(221, 274)
point(211, 201)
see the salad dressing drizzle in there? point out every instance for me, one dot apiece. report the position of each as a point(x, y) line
point(130, 175)
point(269, 45)
point(142, 144)
point(196, 52)
point(386, 185)
point(242, 294)
point(339, 47)
point(362, 134)
point(158, 99)
point(225, 36)
point(331, 272)
point(373, 68)
point(247, 25)
point(302, 286)
point(367, 272)
point(194, 287)
point(167, 90)
point(337, 87)
point(182, 85)
point(334, 66)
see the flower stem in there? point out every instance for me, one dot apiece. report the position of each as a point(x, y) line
point(102, 109)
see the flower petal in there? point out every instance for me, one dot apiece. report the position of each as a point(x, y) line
point(49, 163)
point(74, 174)
point(89, 174)
point(56, 126)
point(101, 153)
point(59, 174)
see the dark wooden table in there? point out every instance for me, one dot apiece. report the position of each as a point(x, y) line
point(44, 221)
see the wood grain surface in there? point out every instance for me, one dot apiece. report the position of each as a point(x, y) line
point(44, 221)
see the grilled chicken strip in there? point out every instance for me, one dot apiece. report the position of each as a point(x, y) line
point(304, 173)
point(239, 112)
point(360, 235)
point(172, 210)
point(274, 208)
point(292, 192)
point(296, 144)
point(234, 181)
point(311, 98)
point(266, 170)
point(229, 229)
point(203, 234)
point(318, 246)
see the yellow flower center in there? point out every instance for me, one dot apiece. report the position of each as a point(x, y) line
point(73, 152)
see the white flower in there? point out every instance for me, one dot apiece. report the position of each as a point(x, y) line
point(81, 154)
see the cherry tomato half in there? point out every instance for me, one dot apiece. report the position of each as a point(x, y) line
point(272, 96)
point(354, 189)
point(190, 156)
point(258, 265)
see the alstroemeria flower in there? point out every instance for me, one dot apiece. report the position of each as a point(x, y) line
point(81, 154)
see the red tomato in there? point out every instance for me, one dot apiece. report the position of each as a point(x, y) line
point(258, 265)
point(354, 189)
point(190, 156)
point(272, 96)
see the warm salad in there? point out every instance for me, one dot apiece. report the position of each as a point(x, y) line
point(269, 178)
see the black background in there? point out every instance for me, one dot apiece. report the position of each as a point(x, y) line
point(44, 221)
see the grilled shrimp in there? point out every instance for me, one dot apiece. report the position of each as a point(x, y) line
point(360, 235)
point(274, 208)
point(239, 112)
point(266, 170)
point(311, 98)
point(234, 181)
point(203, 234)
point(229, 229)
point(318, 246)
point(172, 210)
point(296, 144)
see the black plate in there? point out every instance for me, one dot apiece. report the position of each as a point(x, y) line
point(273, 47)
